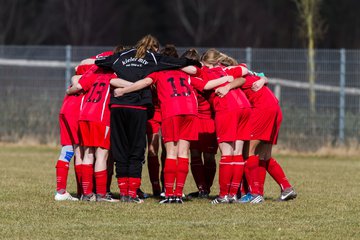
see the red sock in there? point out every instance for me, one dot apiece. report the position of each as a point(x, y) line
point(78, 173)
point(153, 167)
point(101, 180)
point(87, 178)
point(62, 170)
point(237, 174)
point(210, 171)
point(169, 176)
point(181, 174)
point(261, 174)
point(123, 184)
point(134, 184)
point(225, 174)
point(275, 170)
point(252, 163)
point(198, 170)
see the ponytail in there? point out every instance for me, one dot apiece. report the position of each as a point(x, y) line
point(146, 43)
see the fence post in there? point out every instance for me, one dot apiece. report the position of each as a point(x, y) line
point(248, 52)
point(67, 65)
point(342, 96)
point(277, 91)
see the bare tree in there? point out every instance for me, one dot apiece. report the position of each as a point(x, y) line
point(200, 18)
point(312, 27)
point(78, 15)
point(23, 22)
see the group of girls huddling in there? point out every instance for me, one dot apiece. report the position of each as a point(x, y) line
point(122, 100)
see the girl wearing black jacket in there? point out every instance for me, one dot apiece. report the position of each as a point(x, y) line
point(130, 112)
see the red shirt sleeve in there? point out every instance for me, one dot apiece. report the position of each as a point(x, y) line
point(197, 83)
point(153, 76)
point(88, 79)
point(236, 71)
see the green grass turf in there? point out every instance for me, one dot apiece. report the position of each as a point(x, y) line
point(327, 207)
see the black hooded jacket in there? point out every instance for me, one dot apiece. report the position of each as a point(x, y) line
point(130, 68)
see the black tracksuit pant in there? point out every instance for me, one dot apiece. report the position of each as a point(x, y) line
point(128, 140)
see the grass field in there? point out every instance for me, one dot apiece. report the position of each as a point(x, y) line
point(327, 207)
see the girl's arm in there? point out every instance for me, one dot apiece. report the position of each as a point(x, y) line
point(256, 86)
point(222, 91)
point(75, 79)
point(191, 70)
point(75, 88)
point(217, 82)
point(143, 83)
point(120, 83)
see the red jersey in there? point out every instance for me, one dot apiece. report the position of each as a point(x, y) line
point(71, 103)
point(176, 95)
point(96, 102)
point(204, 107)
point(264, 97)
point(234, 99)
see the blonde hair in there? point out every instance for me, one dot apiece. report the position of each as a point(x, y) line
point(227, 60)
point(146, 43)
point(211, 56)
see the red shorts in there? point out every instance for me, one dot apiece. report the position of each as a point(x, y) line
point(265, 124)
point(69, 131)
point(183, 127)
point(207, 137)
point(153, 125)
point(93, 134)
point(232, 125)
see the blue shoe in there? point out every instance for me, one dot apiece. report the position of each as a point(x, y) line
point(246, 198)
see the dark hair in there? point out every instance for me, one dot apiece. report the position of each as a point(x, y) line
point(169, 50)
point(191, 53)
point(119, 48)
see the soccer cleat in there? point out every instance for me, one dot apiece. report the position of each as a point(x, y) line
point(162, 195)
point(199, 194)
point(105, 198)
point(141, 194)
point(246, 198)
point(287, 194)
point(193, 195)
point(257, 199)
point(167, 200)
point(233, 199)
point(219, 200)
point(178, 200)
point(124, 198)
point(65, 197)
point(135, 200)
point(88, 198)
point(203, 194)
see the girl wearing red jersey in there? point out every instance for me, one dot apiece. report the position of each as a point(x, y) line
point(232, 113)
point(68, 121)
point(153, 135)
point(179, 123)
point(203, 151)
point(94, 122)
point(265, 125)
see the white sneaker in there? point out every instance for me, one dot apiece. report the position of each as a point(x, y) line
point(65, 197)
